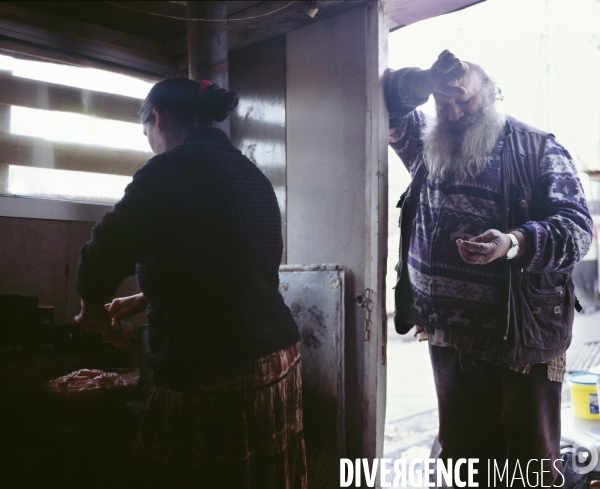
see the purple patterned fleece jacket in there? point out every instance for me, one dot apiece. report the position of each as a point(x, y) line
point(448, 293)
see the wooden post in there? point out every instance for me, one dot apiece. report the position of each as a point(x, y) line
point(207, 45)
point(4, 127)
point(3, 179)
point(4, 118)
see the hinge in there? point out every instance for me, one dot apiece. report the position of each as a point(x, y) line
point(365, 301)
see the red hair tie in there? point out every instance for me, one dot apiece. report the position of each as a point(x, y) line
point(204, 84)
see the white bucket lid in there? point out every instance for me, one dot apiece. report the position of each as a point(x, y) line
point(587, 378)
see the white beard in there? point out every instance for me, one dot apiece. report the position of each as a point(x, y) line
point(462, 148)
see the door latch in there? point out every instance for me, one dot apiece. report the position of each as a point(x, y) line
point(366, 302)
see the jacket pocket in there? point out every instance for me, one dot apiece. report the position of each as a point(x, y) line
point(547, 310)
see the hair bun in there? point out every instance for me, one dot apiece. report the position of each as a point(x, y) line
point(219, 102)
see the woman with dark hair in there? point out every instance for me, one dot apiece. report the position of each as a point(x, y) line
point(201, 227)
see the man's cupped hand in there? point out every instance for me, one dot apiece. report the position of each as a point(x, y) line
point(484, 248)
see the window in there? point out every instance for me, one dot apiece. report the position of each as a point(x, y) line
point(67, 132)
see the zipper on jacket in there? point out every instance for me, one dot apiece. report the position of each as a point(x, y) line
point(506, 191)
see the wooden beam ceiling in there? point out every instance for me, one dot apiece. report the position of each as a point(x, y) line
point(63, 39)
point(109, 36)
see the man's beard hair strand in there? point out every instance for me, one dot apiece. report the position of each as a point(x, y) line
point(462, 148)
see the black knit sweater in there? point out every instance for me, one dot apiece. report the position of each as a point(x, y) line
point(201, 227)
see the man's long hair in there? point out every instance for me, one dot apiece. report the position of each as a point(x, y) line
point(461, 149)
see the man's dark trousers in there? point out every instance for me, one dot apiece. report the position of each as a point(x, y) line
point(487, 412)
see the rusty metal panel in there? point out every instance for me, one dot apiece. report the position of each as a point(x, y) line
point(315, 295)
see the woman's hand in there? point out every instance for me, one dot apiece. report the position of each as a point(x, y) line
point(125, 307)
point(96, 319)
point(92, 318)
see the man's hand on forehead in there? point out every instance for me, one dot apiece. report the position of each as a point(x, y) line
point(446, 73)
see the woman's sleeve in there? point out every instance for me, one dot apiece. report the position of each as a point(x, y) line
point(123, 237)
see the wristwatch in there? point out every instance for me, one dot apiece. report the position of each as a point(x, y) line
point(514, 249)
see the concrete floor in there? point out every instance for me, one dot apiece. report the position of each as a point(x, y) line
point(412, 417)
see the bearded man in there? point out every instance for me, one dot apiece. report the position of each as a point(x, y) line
point(492, 225)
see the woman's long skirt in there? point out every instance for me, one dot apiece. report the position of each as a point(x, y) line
point(234, 432)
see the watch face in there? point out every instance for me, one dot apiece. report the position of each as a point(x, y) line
point(512, 252)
